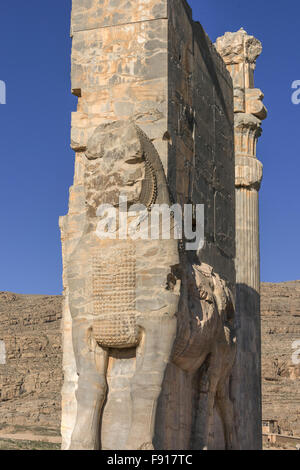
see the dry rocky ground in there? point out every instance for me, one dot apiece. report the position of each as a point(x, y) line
point(31, 379)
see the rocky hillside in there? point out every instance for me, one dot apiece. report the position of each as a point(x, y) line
point(31, 378)
point(281, 378)
point(30, 365)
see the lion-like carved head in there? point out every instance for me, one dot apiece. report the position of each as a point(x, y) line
point(118, 163)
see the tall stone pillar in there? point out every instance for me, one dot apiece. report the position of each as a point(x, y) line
point(240, 51)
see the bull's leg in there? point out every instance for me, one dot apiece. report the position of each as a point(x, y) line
point(225, 407)
point(91, 393)
point(208, 389)
point(153, 355)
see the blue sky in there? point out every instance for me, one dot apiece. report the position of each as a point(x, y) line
point(37, 163)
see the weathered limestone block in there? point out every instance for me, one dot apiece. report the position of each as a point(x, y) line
point(92, 14)
point(149, 341)
point(120, 72)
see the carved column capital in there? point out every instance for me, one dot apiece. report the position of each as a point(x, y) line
point(240, 51)
point(248, 172)
point(239, 47)
point(247, 130)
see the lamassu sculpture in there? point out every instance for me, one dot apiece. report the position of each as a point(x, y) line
point(147, 296)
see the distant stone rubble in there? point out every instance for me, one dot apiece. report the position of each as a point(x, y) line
point(280, 308)
point(31, 359)
point(31, 365)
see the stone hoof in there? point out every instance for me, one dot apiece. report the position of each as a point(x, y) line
point(146, 446)
point(134, 445)
point(80, 445)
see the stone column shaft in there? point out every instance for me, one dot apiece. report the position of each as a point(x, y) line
point(240, 51)
point(248, 238)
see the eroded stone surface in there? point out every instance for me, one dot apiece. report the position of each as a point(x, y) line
point(92, 14)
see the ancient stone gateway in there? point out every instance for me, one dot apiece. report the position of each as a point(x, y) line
point(149, 325)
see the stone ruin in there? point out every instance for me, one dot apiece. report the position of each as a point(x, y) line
point(157, 352)
point(161, 344)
